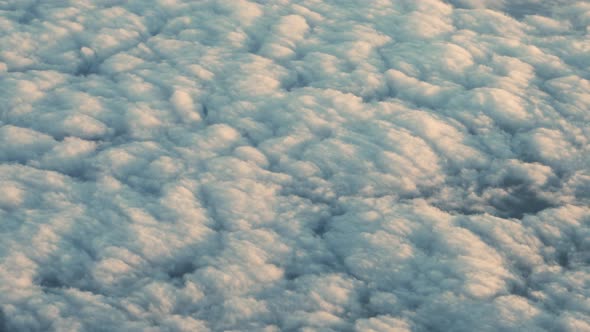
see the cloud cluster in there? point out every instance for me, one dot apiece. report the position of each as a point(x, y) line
point(172, 165)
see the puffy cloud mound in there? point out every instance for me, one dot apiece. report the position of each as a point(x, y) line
point(241, 165)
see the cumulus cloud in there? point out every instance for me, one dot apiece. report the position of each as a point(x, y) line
point(172, 165)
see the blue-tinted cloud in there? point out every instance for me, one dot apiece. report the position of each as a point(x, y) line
point(172, 165)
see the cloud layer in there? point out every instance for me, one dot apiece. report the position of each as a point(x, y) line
point(171, 165)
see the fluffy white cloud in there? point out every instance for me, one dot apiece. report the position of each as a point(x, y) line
point(172, 165)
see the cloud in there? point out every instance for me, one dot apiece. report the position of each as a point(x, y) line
point(174, 165)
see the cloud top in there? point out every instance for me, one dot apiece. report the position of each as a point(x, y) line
point(175, 165)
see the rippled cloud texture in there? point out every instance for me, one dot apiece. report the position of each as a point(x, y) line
point(313, 165)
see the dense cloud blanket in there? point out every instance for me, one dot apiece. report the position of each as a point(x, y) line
point(304, 165)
